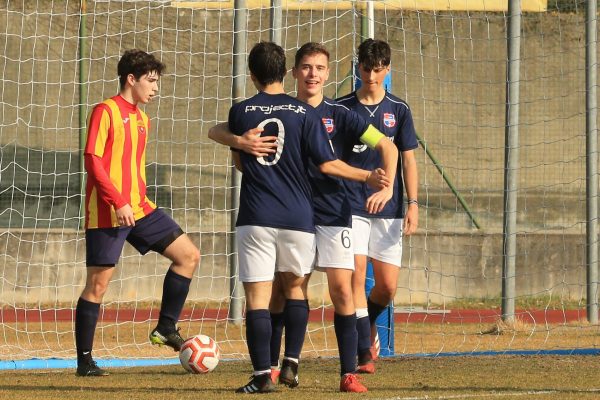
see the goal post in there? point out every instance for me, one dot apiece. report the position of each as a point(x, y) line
point(448, 63)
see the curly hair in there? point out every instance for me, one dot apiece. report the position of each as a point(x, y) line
point(137, 63)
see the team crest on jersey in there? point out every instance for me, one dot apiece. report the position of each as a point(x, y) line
point(328, 122)
point(389, 120)
point(141, 129)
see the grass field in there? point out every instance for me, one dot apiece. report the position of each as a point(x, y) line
point(500, 377)
point(130, 339)
point(398, 378)
point(404, 377)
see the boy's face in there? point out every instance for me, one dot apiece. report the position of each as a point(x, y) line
point(311, 74)
point(145, 88)
point(373, 78)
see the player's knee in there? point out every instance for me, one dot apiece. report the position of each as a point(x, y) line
point(341, 296)
point(95, 290)
point(385, 290)
point(195, 257)
point(191, 258)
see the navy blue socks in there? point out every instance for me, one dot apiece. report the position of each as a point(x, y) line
point(375, 310)
point(277, 324)
point(86, 317)
point(347, 339)
point(258, 336)
point(296, 320)
point(175, 291)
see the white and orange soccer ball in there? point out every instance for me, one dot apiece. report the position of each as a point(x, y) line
point(199, 354)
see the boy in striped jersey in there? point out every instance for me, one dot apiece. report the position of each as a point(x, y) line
point(118, 210)
point(379, 236)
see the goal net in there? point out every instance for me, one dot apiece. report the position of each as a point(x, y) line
point(449, 63)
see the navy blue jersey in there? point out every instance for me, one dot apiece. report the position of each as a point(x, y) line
point(393, 118)
point(345, 128)
point(275, 190)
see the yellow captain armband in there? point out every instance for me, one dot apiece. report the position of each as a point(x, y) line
point(371, 136)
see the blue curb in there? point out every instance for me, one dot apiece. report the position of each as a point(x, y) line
point(58, 363)
point(50, 363)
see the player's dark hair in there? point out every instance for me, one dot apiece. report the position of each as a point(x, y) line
point(266, 62)
point(374, 53)
point(137, 63)
point(309, 49)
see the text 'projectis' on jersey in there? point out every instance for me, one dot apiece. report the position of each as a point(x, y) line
point(275, 190)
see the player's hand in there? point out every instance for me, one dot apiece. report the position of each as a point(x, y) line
point(411, 219)
point(377, 179)
point(125, 216)
point(259, 146)
point(378, 200)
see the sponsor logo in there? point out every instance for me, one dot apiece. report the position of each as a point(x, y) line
point(125, 121)
point(359, 148)
point(270, 109)
point(328, 122)
point(389, 120)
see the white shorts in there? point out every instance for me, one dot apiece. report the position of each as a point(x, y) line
point(334, 247)
point(378, 238)
point(263, 250)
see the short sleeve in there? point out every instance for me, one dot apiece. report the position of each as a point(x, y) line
point(316, 140)
point(406, 137)
point(232, 120)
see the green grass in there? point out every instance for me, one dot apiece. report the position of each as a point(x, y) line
point(502, 377)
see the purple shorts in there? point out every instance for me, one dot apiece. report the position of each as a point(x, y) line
point(156, 231)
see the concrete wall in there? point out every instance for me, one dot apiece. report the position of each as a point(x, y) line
point(449, 66)
point(439, 268)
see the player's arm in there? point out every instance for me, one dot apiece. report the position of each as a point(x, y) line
point(388, 151)
point(94, 149)
point(376, 178)
point(250, 142)
point(107, 191)
point(237, 162)
point(411, 179)
point(323, 156)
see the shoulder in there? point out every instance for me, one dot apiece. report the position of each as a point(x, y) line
point(239, 104)
point(103, 110)
point(335, 105)
point(347, 99)
point(287, 99)
point(396, 102)
point(105, 105)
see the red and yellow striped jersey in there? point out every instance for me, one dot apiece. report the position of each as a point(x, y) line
point(117, 135)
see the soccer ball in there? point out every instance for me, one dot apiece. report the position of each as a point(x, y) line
point(199, 354)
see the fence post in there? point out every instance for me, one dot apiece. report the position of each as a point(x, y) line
point(511, 161)
point(591, 110)
point(240, 28)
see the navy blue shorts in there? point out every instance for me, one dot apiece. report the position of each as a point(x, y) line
point(156, 231)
